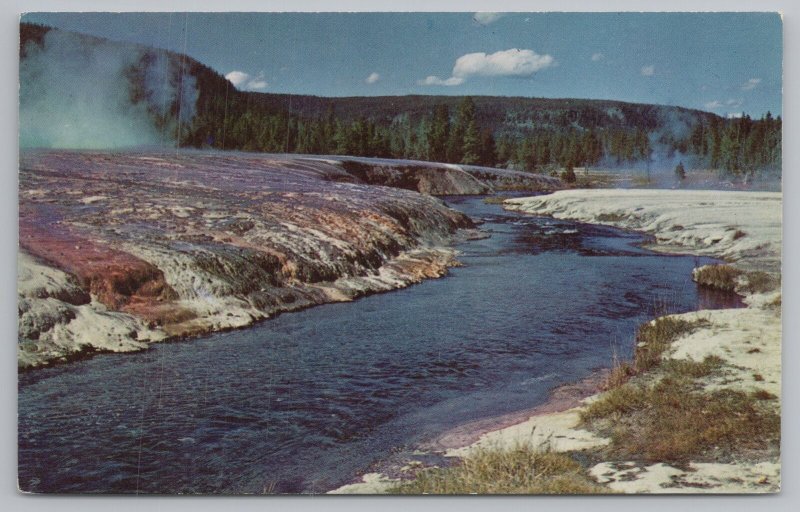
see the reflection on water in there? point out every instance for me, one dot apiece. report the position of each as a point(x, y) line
point(304, 402)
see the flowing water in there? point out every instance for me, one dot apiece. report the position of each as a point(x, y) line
point(308, 400)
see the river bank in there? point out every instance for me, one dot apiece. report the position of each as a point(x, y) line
point(698, 408)
point(303, 402)
point(119, 250)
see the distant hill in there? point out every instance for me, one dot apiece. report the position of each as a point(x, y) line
point(189, 102)
point(496, 112)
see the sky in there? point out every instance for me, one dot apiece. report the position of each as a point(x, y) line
point(726, 63)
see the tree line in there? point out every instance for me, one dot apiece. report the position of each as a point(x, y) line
point(230, 119)
point(739, 146)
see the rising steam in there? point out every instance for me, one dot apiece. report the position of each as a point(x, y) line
point(80, 92)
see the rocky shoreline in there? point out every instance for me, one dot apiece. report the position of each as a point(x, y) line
point(118, 250)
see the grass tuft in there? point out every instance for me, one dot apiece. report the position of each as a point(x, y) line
point(729, 278)
point(654, 338)
point(523, 470)
point(672, 421)
point(495, 199)
point(610, 217)
point(620, 373)
point(693, 369)
point(722, 277)
point(760, 282)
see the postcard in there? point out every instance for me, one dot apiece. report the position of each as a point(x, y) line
point(399, 253)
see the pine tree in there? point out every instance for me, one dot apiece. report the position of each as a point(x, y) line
point(680, 171)
point(438, 133)
point(488, 149)
point(472, 144)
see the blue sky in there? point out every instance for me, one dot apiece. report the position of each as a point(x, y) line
point(725, 63)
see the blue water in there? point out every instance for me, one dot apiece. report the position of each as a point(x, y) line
point(308, 400)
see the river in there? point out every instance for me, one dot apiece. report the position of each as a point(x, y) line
point(306, 401)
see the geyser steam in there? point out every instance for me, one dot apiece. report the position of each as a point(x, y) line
point(81, 92)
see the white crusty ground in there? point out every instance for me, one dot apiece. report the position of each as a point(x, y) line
point(741, 227)
point(371, 483)
point(748, 339)
point(736, 478)
point(51, 306)
point(554, 432)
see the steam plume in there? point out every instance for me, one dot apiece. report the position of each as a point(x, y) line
point(81, 92)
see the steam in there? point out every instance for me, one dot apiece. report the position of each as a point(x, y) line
point(80, 92)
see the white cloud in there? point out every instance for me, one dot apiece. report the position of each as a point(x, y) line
point(751, 84)
point(485, 18)
point(734, 103)
point(237, 77)
point(597, 57)
point(648, 70)
point(735, 115)
point(513, 62)
point(711, 105)
point(245, 82)
point(372, 78)
point(435, 80)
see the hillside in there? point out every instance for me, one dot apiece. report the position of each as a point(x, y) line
point(185, 100)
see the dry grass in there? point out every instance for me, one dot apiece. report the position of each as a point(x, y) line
point(652, 340)
point(760, 282)
point(523, 470)
point(685, 368)
point(620, 373)
point(673, 421)
point(729, 278)
point(495, 199)
point(610, 217)
point(668, 416)
point(721, 277)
